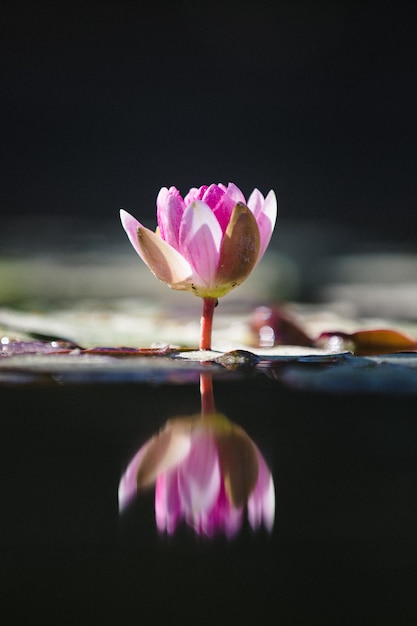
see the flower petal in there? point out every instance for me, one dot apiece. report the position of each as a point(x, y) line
point(199, 477)
point(222, 518)
point(261, 504)
point(232, 196)
point(169, 216)
point(266, 221)
point(128, 485)
point(163, 452)
point(240, 249)
point(163, 260)
point(238, 465)
point(233, 192)
point(200, 239)
point(213, 196)
point(161, 198)
point(195, 193)
point(156, 456)
point(131, 226)
point(168, 510)
point(255, 202)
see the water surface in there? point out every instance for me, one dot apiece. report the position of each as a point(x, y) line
point(342, 551)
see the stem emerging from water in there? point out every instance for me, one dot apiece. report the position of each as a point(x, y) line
point(207, 323)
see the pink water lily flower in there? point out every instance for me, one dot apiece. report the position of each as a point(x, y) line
point(207, 242)
point(206, 471)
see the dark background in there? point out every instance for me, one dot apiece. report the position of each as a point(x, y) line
point(103, 103)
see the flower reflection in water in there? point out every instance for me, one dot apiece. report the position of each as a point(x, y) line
point(206, 471)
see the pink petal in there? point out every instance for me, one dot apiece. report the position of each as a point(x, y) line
point(200, 239)
point(232, 196)
point(213, 196)
point(266, 221)
point(255, 202)
point(191, 196)
point(169, 217)
point(161, 198)
point(163, 194)
point(233, 192)
point(194, 194)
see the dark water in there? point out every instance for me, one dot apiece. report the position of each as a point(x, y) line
point(343, 549)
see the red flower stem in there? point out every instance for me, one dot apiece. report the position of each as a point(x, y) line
point(207, 323)
point(207, 397)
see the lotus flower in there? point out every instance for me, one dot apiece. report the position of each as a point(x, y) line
point(206, 471)
point(209, 241)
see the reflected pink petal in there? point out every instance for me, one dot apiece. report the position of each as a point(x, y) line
point(199, 477)
point(223, 517)
point(261, 504)
point(168, 509)
point(128, 484)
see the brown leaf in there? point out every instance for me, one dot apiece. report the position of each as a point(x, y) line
point(381, 341)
